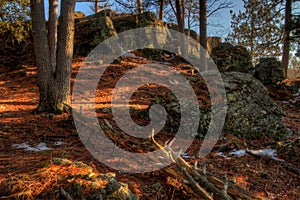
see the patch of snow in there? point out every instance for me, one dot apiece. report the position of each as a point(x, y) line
point(187, 156)
point(238, 153)
point(263, 152)
point(58, 143)
point(40, 147)
point(221, 154)
point(24, 146)
point(43, 146)
point(267, 152)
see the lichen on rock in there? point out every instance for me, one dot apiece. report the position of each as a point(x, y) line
point(251, 112)
point(269, 71)
point(232, 58)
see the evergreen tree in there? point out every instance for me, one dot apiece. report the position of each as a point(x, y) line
point(258, 28)
point(14, 21)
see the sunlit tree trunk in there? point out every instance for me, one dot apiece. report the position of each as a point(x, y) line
point(161, 10)
point(54, 86)
point(286, 39)
point(96, 6)
point(52, 33)
point(139, 6)
point(179, 4)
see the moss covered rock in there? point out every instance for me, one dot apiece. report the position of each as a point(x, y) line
point(232, 58)
point(90, 33)
point(269, 71)
point(251, 112)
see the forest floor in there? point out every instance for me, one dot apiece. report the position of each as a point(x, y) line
point(262, 176)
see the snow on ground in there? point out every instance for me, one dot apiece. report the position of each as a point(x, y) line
point(59, 143)
point(42, 146)
point(187, 156)
point(263, 152)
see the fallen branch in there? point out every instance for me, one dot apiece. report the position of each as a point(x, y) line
point(202, 184)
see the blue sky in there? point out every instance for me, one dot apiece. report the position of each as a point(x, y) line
point(222, 19)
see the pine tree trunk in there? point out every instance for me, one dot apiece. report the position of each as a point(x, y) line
point(161, 10)
point(139, 6)
point(54, 86)
point(42, 52)
point(179, 4)
point(203, 33)
point(286, 42)
point(252, 37)
point(61, 86)
point(96, 6)
point(52, 33)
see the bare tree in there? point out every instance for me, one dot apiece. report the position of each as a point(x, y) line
point(96, 7)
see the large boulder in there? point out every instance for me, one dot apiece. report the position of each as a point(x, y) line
point(251, 112)
point(232, 58)
point(79, 14)
point(124, 22)
point(269, 71)
point(213, 42)
point(92, 30)
point(90, 33)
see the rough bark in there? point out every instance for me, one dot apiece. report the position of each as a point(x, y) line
point(52, 33)
point(42, 52)
point(96, 6)
point(179, 4)
point(252, 36)
point(286, 39)
point(54, 85)
point(139, 6)
point(64, 55)
point(203, 31)
point(161, 10)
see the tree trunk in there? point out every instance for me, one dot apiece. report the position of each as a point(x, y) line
point(52, 33)
point(42, 52)
point(139, 6)
point(179, 4)
point(203, 32)
point(61, 89)
point(54, 86)
point(252, 37)
point(161, 10)
point(286, 38)
point(96, 6)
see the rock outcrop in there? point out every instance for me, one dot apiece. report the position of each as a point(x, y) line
point(251, 112)
point(232, 58)
point(269, 71)
point(90, 33)
point(100, 186)
point(79, 14)
point(213, 42)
